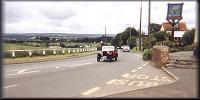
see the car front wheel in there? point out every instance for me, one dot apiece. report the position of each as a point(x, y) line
point(115, 58)
point(98, 58)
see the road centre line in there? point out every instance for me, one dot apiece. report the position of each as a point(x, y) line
point(32, 71)
point(134, 70)
point(21, 71)
point(24, 72)
point(139, 67)
point(9, 86)
point(91, 91)
point(109, 82)
point(145, 64)
point(81, 64)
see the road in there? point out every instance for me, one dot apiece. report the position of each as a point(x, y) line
point(82, 77)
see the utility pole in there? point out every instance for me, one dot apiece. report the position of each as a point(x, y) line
point(130, 31)
point(105, 37)
point(140, 26)
point(149, 24)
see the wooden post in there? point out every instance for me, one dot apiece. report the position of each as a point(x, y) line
point(30, 53)
point(44, 52)
point(13, 54)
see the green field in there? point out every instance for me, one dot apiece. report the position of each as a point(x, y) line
point(10, 46)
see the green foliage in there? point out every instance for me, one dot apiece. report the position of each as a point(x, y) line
point(124, 37)
point(116, 41)
point(131, 41)
point(155, 27)
point(147, 55)
point(188, 37)
point(148, 42)
point(121, 38)
point(190, 47)
point(160, 36)
point(168, 43)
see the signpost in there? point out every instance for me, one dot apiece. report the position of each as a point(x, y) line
point(174, 15)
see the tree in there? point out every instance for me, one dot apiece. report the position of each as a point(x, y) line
point(121, 38)
point(160, 36)
point(188, 37)
point(155, 27)
point(115, 41)
point(124, 36)
point(148, 42)
point(131, 41)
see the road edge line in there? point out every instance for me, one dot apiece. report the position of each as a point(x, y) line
point(170, 74)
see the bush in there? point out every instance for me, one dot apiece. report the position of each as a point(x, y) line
point(147, 55)
point(190, 47)
point(7, 54)
point(173, 50)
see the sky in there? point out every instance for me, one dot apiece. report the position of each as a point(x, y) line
point(88, 17)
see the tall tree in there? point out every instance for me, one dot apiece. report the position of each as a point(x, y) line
point(131, 41)
point(155, 27)
point(188, 37)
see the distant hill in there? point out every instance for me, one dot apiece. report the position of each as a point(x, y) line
point(25, 36)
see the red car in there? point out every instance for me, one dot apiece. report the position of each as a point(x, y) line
point(108, 52)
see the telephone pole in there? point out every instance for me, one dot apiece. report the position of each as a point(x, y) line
point(140, 26)
point(149, 21)
point(105, 37)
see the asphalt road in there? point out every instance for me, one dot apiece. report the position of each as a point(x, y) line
point(82, 77)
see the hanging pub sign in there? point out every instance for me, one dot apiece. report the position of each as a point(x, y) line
point(174, 11)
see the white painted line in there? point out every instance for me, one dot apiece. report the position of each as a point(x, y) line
point(145, 64)
point(24, 72)
point(170, 73)
point(32, 71)
point(139, 67)
point(10, 86)
point(12, 74)
point(134, 70)
point(57, 67)
point(21, 71)
point(109, 82)
point(81, 64)
point(91, 91)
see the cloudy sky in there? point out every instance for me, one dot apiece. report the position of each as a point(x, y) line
point(87, 17)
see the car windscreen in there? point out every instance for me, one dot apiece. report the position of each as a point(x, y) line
point(108, 48)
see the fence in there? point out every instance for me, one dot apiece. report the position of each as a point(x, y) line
point(45, 52)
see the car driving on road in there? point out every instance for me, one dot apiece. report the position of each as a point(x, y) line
point(126, 48)
point(108, 52)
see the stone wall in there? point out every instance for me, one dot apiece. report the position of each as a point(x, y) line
point(160, 55)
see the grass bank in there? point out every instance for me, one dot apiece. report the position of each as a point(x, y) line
point(45, 58)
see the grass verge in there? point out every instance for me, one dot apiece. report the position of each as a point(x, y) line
point(136, 50)
point(45, 58)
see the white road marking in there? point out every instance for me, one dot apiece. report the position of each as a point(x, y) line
point(145, 64)
point(139, 67)
point(134, 70)
point(81, 64)
point(57, 67)
point(91, 91)
point(109, 82)
point(21, 71)
point(10, 86)
point(32, 71)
